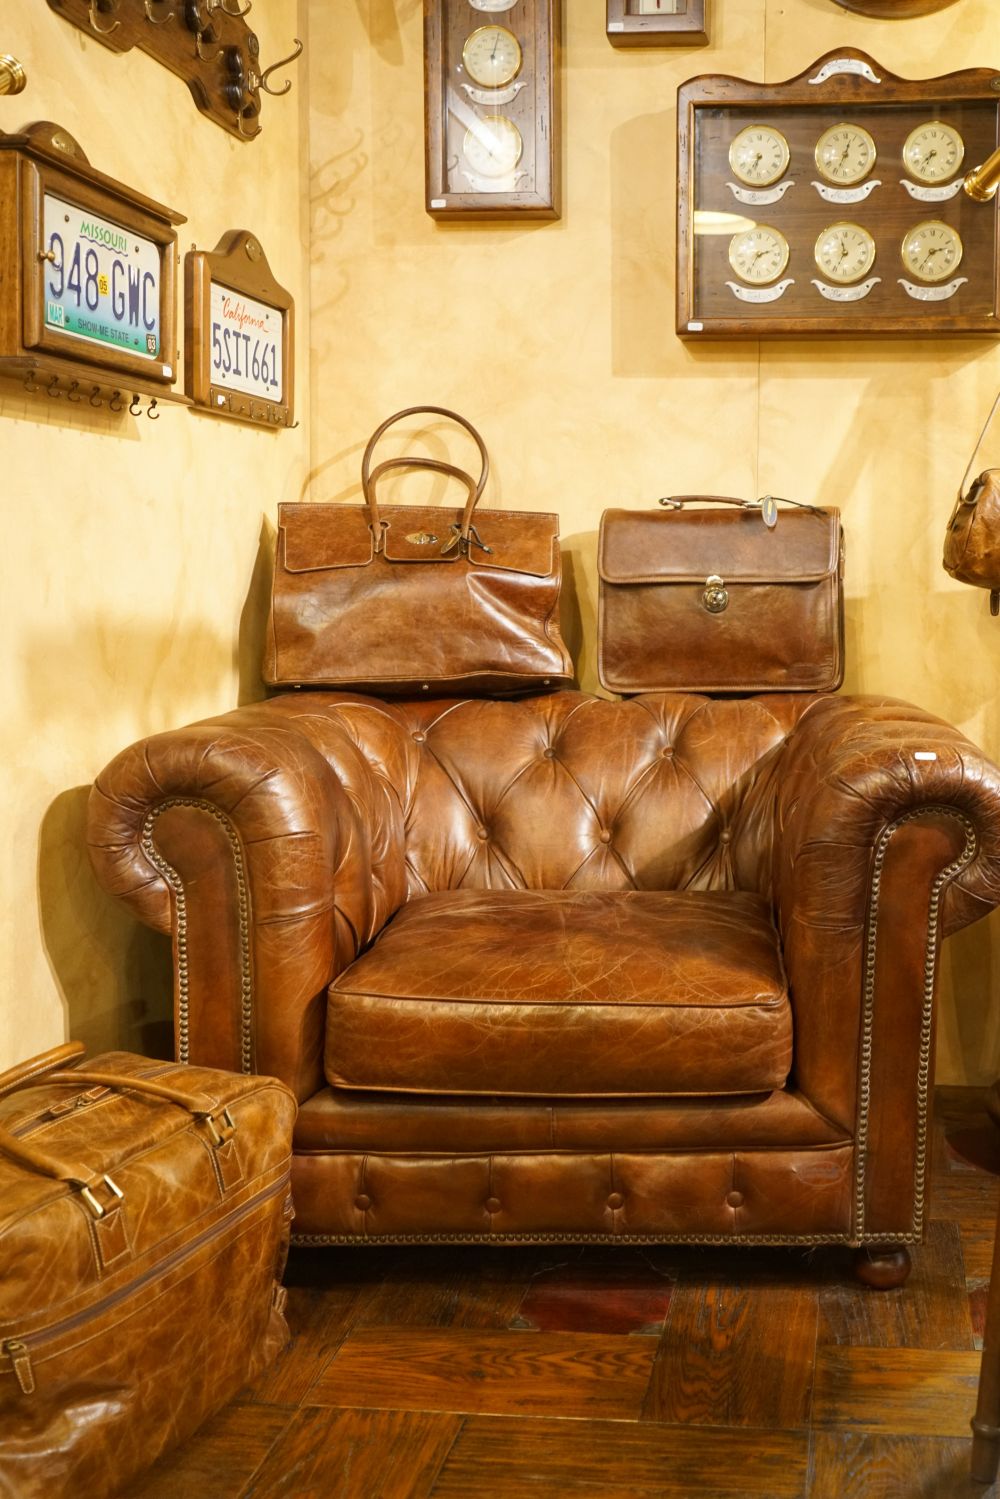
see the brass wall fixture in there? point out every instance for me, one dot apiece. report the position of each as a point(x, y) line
point(209, 45)
point(12, 76)
point(982, 182)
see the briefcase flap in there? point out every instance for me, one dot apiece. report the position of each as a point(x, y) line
point(690, 545)
point(318, 537)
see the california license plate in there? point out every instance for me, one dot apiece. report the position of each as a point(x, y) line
point(246, 344)
point(102, 282)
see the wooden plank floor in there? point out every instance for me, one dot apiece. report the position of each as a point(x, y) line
point(667, 1372)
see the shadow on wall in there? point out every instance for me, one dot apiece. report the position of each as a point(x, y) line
point(113, 974)
point(253, 619)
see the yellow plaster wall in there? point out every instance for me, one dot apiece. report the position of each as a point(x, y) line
point(129, 545)
point(557, 339)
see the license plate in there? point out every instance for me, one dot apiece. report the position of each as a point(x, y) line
point(102, 283)
point(246, 344)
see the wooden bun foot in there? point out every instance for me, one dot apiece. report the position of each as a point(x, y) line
point(882, 1266)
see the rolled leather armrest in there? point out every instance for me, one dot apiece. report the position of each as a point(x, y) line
point(239, 838)
point(886, 839)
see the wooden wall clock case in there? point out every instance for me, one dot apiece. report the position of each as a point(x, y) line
point(503, 114)
point(845, 87)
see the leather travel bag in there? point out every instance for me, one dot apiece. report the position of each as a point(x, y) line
point(972, 540)
point(416, 598)
point(144, 1221)
point(718, 595)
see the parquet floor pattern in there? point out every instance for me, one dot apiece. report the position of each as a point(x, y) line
point(660, 1373)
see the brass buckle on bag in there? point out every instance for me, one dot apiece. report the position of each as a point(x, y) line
point(92, 1202)
point(220, 1136)
point(716, 595)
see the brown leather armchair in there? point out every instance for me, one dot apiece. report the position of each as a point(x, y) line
point(561, 968)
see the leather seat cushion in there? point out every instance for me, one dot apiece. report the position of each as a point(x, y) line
point(566, 994)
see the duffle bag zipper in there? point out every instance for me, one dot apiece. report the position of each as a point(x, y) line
point(21, 1350)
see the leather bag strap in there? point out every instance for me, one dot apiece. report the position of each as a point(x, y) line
point(431, 411)
point(678, 501)
point(26, 1073)
point(439, 466)
point(83, 1177)
point(975, 452)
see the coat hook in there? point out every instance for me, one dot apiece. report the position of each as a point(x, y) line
point(151, 412)
point(135, 406)
point(106, 6)
point(236, 13)
point(153, 20)
point(95, 396)
point(71, 395)
point(248, 135)
point(52, 389)
point(199, 48)
point(292, 57)
point(115, 404)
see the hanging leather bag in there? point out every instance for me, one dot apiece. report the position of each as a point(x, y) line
point(712, 594)
point(972, 540)
point(144, 1220)
point(416, 598)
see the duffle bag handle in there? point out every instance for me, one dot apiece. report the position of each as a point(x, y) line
point(464, 533)
point(399, 416)
point(969, 497)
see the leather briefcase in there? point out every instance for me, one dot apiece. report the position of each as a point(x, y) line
point(972, 540)
point(412, 598)
point(144, 1219)
point(701, 599)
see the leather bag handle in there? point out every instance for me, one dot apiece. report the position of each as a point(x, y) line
point(439, 466)
point(432, 411)
point(84, 1178)
point(26, 1073)
point(678, 501)
point(975, 451)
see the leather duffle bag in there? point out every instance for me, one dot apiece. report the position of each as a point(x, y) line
point(416, 598)
point(144, 1222)
point(718, 595)
point(972, 540)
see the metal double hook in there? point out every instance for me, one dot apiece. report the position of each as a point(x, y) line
point(292, 57)
point(156, 20)
point(107, 7)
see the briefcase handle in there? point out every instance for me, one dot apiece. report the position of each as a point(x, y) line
point(678, 501)
point(433, 411)
point(464, 533)
point(87, 1181)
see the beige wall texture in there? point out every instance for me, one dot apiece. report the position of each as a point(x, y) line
point(130, 546)
point(557, 340)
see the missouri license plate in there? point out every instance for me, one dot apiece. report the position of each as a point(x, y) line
point(101, 281)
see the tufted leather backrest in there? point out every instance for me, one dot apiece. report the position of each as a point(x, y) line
point(568, 791)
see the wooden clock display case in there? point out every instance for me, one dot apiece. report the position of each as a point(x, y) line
point(491, 108)
point(832, 204)
point(657, 23)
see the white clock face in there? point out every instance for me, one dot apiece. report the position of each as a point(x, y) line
point(845, 252)
point(493, 146)
point(932, 251)
point(758, 255)
point(845, 154)
point(933, 152)
point(492, 56)
point(759, 155)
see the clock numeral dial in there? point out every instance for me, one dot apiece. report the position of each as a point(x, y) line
point(493, 146)
point(933, 152)
point(932, 251)
point(492, 56)
point(759, 155)
point(758, 255)
point(844, 252)
point(845, 154)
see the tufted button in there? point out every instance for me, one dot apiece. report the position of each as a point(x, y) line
point(605, 836)
point(725, 836)
point(492, 1204)
point(549, 754)
point(419, 736)
point(667, 752)
point(482, 834)
point(616, 1200)
point(735, 1199)
point(362, 1203)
